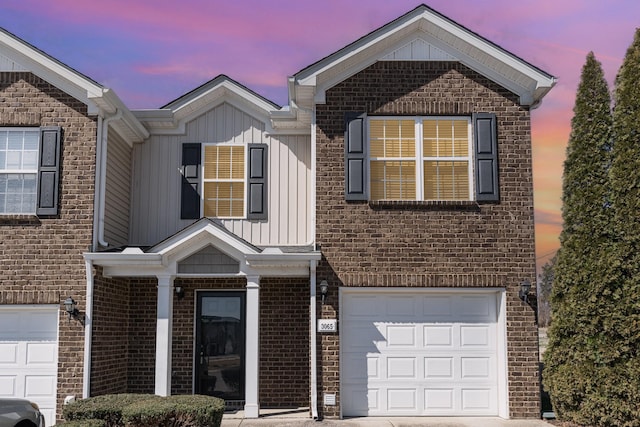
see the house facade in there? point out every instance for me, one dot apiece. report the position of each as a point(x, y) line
point(357, 252)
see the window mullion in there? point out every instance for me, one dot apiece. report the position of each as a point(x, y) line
point(419, 160)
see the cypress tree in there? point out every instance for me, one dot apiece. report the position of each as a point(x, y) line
point(621, 377)
point(575, 334)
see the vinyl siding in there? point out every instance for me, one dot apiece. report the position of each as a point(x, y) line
point(156, 181)
point(118, 191)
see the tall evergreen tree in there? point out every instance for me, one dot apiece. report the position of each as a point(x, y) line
point(575, 334)
point(622, 374)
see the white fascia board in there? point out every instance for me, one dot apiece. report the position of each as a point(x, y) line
point(195, 235)
point(110, 259)
point(50, 70)
point(541, 82)
point(131, 121)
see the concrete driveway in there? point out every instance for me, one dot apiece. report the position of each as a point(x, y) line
point(383, 422)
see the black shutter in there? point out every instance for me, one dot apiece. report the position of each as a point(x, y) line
point(190, 196)
point(486, 157)
point(49, 170)
point(257, 182)
point(355, 157)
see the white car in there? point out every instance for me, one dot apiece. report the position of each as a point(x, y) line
point(20, 413)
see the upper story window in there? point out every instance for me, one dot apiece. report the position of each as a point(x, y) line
point(224, 181)
point(420, 158)
point(18, 170)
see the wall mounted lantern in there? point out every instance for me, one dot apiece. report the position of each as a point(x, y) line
point(179, 292)
point(525, 287)
point(324, 289)
point(71, 308)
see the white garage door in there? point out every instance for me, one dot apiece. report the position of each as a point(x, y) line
point(419, 353)
point(29, 355)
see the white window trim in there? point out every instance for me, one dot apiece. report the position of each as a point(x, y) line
point(23, 171)
point(243, 180)
point(419, 157)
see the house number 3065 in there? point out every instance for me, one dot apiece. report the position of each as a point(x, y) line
point(327, 325)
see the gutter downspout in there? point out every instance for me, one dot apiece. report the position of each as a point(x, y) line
point(312, 320)
point(103, 175)
point(88, 316)
point(96, 201)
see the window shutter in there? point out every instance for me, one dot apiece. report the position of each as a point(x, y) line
point(257, 182)
point(486, 157)
point(49, 170)
point(190, 192)
point(355, 164)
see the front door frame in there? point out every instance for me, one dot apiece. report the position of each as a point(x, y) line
point(200, 294)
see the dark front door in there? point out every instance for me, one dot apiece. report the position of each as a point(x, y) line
point(220, 338)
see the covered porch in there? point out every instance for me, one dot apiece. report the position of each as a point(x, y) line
point(203, 266)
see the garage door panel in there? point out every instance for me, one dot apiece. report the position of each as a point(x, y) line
point(476, 367)
point(477, 400)
point(402, 368)
point(8, 354)
point(358, 372)
point(440, 400)
point(480, 306)
point(438, 336)
point(360, 401)
point(475, 336)
point(400, 307)
point(39, 385)
point(439, 358)
point(402, 399)
point(437, 306)
point(438, 367)
point(8, 385)
point(41, 353)
point(400, 336)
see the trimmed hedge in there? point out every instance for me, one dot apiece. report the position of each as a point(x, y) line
point(82, 423)
point(145, 410)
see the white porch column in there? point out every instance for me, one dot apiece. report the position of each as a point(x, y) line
point(164, 325)
point(252, 348)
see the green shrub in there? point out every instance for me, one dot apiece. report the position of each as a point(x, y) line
point(175, 411)
point(144, 410)
point(82, 423)
point(107, 407)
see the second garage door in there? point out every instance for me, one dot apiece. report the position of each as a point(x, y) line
point(419, 353)
point(29, 355)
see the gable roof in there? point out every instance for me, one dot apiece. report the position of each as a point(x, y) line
point(422, 34)
point(163, 258)
point(18, 55)
point(172, 117)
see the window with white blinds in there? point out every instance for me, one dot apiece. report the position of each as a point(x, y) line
point(224, 181)
point(420, 158)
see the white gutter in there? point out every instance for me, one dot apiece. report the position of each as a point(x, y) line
point(312, 320)
point(88, 316)
point(102, 172)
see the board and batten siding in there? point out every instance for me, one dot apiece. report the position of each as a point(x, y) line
point(156, 181)
point(118, 191)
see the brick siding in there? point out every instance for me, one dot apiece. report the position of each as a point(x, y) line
point(426, 244)
point(125, 331)
point(41, 258)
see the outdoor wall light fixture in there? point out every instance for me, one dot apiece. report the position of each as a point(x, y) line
point(324, 289)
point(525, 287)
point(179, 292)
point(71, 308)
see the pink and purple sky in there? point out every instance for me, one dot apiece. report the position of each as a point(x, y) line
point(153, 51)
